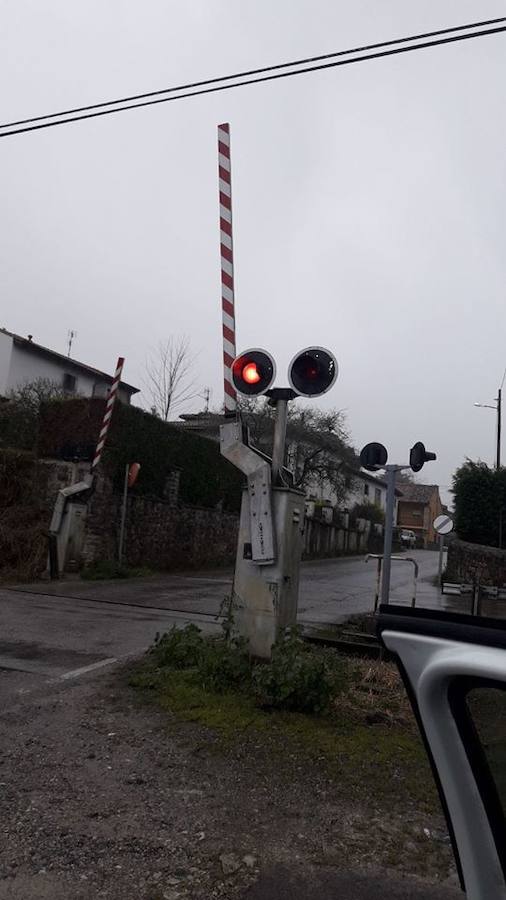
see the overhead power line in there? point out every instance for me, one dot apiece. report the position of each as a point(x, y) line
point(268, 73)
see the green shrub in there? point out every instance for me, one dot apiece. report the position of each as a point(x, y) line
point(225, 665)
point(370, 511)
point(297, 678)
point(179, 648)
point(104, 569)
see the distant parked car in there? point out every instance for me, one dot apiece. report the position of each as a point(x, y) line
point(407, 539)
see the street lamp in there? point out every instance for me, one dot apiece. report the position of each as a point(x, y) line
point(497, 408)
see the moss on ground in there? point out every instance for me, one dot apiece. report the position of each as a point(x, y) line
point(368, 739)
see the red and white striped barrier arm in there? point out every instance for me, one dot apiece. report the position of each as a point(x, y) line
point(227, 266)
point(106, 421)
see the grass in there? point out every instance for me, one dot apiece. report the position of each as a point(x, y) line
point(366, 737)
point(103, 570)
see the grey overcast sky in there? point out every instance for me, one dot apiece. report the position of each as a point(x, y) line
point(369, 201)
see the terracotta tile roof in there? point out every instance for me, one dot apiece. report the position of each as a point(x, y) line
point(418, 493)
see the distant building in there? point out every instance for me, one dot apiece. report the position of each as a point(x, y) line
point(205, 423)
point(358, 486)
point(368, 488)
point(418, 507)
point(23, 361)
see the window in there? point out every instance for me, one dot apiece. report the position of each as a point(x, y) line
point(479, 709)
point(69, 383)
point(487, 706)
point(377, 496)
point(366, 490)
point(100, 389)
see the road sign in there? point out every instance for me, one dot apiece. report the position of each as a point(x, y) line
point(443, 525)
point(133, 472)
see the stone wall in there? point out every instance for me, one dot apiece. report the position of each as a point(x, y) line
point(54, 474)
point(467, 562)
point(322, 539)
point(162, 535)
point(158, 533)
point(166, 537)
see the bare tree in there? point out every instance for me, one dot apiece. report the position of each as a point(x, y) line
point(169, 381)
point(318, 445)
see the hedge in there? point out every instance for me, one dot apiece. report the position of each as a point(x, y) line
point(23, 521)
point(69, 429)
point(480, 503)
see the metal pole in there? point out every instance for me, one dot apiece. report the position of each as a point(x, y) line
point(123, 516)
point(278, 450)
point(498, 456)
point(378, 584)
point(440, 568)
point(389, 527)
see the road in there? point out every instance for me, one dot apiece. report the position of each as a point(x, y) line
point(60, 630)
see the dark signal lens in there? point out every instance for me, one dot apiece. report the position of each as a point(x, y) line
point(313, 371)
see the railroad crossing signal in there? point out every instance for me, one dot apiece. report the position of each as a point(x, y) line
point(253, 372)
point(312, 372)
point(373, 456)
point(418, 456)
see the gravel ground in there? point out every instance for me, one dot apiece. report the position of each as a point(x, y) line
point(104, 797)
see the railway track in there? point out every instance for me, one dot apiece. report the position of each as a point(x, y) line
point(351, 643)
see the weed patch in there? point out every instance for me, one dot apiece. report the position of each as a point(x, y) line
point(102, 570)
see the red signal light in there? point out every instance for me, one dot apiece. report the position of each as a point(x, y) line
point(251, 374)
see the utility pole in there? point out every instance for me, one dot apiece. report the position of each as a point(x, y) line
point(498, 401)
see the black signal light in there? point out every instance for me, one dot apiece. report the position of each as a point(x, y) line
point(313, 371)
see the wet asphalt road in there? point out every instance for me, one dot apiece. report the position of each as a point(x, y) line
point(61, 630)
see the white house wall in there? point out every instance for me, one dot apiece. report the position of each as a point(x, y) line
point(358, 494)
point(28, 365)
point(6, 343)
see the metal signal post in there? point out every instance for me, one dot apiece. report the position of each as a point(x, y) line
point(266, 581)
point(374, 457)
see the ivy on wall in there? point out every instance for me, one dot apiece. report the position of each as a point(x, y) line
point(69, 430)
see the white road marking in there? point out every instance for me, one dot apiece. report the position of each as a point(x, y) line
point(84, 669)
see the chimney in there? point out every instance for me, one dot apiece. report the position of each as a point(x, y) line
point(30, 336)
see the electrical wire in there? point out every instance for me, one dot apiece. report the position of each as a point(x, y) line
point(246, 74)
point(215, 85)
